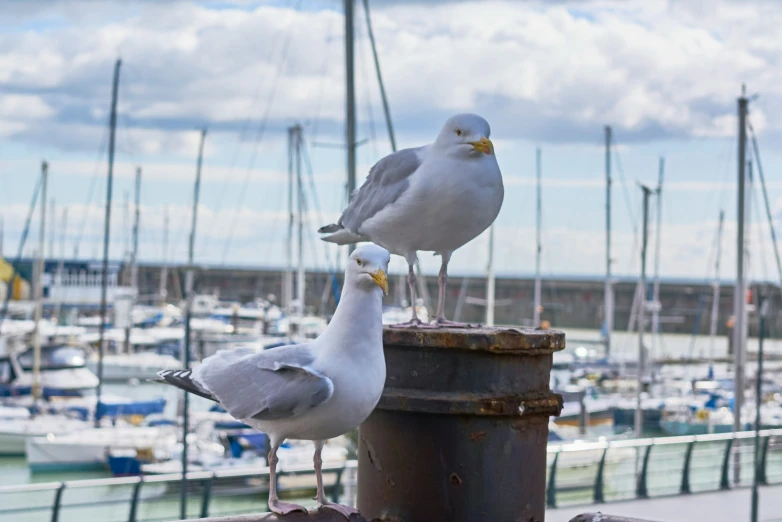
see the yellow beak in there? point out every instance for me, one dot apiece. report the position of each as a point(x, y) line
point(380, 280)
point(484, 145)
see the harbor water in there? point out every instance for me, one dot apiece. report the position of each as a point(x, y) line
point(14, 470)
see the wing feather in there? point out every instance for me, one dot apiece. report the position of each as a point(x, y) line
point(387, 181)
point(275, 384)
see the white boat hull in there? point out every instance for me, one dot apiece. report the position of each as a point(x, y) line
point(12, 444)
point(14, 434)
point(89, 449)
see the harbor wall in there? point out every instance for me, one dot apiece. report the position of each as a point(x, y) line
point(568, 302)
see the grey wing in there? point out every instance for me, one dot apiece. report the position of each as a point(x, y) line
point(276, 384)
point(387, 181)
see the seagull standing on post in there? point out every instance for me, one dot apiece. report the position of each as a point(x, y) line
point(433, 198)
point(313, 391)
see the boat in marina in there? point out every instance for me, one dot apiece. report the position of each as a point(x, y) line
point(124, 461)
point(400, 314)
point(89, 449)
point(63, 372)
point(128, 366)
point(298, 326)
point(67, 416)
point(292, 454)
point(14, 433)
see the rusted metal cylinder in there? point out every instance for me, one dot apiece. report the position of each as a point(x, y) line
point(600, 517)
point(460, 432)
point(312, 516)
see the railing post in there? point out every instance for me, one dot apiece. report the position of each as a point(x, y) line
point(206, 496)
point(133, 515)
point(551, 490)
point(280, 473)
point(598, 495)
point(685, 488)
point(337, 487)
point(57, 502)
point(454, 400)
point(643, 491)
point(762, 477)
point(725, 480)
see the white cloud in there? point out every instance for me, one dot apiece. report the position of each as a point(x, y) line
point(548, 71)
point(13, 106)
point(542, 71)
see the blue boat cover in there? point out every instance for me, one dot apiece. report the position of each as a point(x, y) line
point(113, 410)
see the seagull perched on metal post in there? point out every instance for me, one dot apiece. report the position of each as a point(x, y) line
point(434, 198)
point(313, 391)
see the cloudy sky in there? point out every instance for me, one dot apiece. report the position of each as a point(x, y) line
point(664, 74)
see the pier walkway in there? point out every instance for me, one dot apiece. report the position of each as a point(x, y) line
point(728, 506)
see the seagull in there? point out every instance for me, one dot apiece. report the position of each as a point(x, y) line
point(312, 391)
point(433, 198)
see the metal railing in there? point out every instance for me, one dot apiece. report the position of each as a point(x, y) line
point(578, 474)
point(593, 473)
point(156, 497)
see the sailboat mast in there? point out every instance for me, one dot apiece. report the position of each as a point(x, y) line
point(136, 217)
point(61, 264)
point(658, 233)
point(52, 227)
point(300, 279)
point(133, 253)
point(641, 316)
point(490, 281)
point(106, 229)
point(287, 281)
point(740, 296)
point(769, 216)
point(189, 277)
point(162, 291)
point(39, 268)
point(125, 249)
point(538, 308)
point(350, 101)
point(715, 298)
point(383, 97)
point(608, 300)
point(2, 238)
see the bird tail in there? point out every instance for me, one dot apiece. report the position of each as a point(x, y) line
point(340, 235)
point(183, 379)
point(328, 229)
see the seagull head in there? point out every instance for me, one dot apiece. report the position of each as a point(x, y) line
point(465, 135)
point(367, 267)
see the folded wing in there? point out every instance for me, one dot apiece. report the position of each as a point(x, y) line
point(275, 384)
point(386, 183)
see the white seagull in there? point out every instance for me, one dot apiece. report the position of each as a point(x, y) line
point(433, 198)
point(313, 391)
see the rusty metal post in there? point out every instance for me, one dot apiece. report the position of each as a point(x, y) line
point(600, 517)
point(460, 433)
point(312, 516)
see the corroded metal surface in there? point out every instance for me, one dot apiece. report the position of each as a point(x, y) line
point(600, 517)
point(496, 340)
point(526, 404)
point(312, 516)
point(461, 430)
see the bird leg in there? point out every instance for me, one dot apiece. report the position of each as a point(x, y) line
point(275, 504)
point(345, 511)
point(414, 322)
point(442, 281)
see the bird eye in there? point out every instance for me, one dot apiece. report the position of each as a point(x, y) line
point(358, 262)
point(458, 132)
